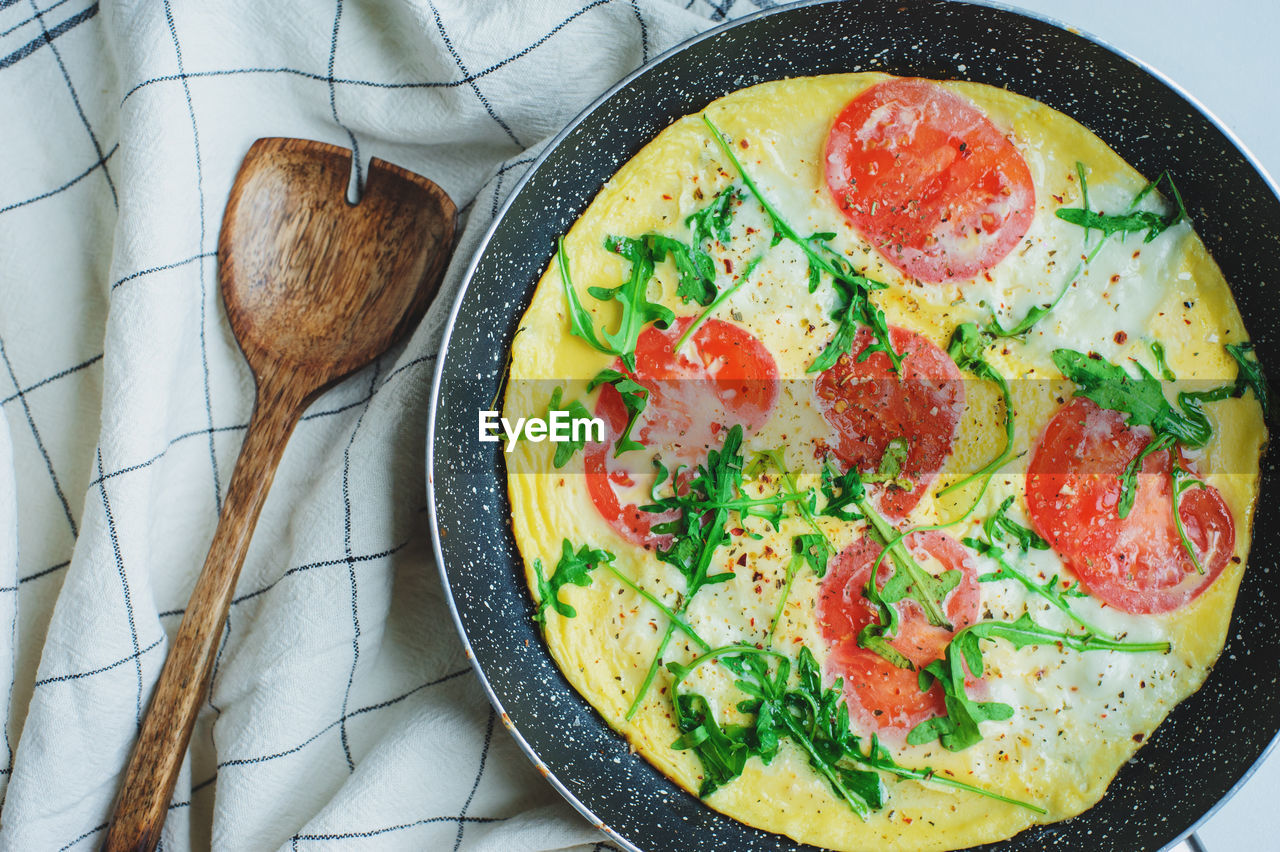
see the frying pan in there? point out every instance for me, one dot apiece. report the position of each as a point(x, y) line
point(1206, 747)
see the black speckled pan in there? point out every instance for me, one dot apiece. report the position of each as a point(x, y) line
point(1209, 744)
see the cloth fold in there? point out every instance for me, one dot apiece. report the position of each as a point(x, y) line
point(342, 713)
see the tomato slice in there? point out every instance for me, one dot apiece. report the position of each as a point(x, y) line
point(1138, 563)
point(881, 695)
point(723, 375)
point(928, 180)
point(870, 405)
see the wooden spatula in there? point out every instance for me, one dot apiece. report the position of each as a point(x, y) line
point(315, 288)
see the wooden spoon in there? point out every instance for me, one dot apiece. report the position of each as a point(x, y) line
point(315, 288)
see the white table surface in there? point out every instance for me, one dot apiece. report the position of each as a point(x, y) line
point(1224, 54)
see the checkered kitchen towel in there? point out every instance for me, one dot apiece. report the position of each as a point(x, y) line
point(343, 714)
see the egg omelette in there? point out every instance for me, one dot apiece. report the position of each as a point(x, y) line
point(932, 436)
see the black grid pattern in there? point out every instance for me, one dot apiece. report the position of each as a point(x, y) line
point(371, 674)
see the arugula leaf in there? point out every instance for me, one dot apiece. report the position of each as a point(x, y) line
point(968, 349)
point(814, 550)
point(818, 548)
point(853, 303)
point(847, 500)
point(696, 267)
point(1130, 222)
point(722, 751)
point(711, 224)
point(999, 525)
point(635, 397)
point(577, 411)
point(1129, 478)
point(1183, 481)
point(715, 490)
point(811, 549)
point(959, 728)
point(723, 296)
point(1250, 374)
point(701, 526)
point(813, 717)
point(854, 308)
point(581, 324)
point(843, 492)
point(1162, 366)
point(572, 568)
point(891, 462)
point(1050, 589)
point(697, 275)
point(1141, 397)
point(633, 297)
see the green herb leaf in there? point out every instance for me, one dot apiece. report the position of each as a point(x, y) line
point(1162, 366)
point(635, 397)
point(1250, 374)
point(1130, 221)
point(812, 717)
point(968, 348)
point(700, 527)
point(1133, 220)
point(814, 550)
point(852, 288)
point(843, 492)
point(722, 751)
point(1129, 478)
point(1141, 397)
point(572, 568)
point(891, 462)
point(697, 274)
point(633, 298)
point(1183, 481)
point(1051, 590)
point(576, 411)
point(999, 526)
point(959, 728)
point(581, 324)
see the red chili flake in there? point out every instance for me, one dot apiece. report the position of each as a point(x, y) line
point(742, 143)
point(1121, 337)
point(666, 197)
point(728, 266)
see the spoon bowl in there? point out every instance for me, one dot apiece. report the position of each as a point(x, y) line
point(314, 282)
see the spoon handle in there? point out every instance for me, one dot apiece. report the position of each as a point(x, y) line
point(148, 783)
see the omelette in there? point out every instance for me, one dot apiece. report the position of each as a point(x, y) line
point(920, 450)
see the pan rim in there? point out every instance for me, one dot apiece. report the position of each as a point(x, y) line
point(550, 147)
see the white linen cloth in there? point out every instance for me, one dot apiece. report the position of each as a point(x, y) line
point(342, 713)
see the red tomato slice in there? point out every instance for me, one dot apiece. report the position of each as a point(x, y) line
point(928, 180)
point(722, 376)
point(870, 405)
point(1137, 564)
point(881, 695)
